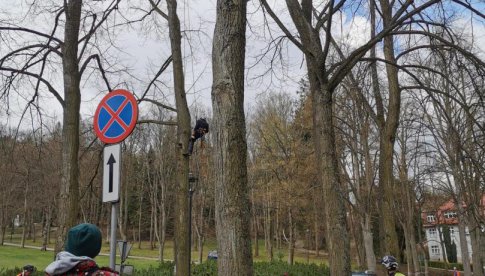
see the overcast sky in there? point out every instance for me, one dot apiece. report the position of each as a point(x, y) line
point(143, 48)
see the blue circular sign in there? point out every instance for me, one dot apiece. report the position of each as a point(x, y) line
point(116, 116)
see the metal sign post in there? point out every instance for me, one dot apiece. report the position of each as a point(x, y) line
point(112, 243)
point(111, 192)
point(114, 120)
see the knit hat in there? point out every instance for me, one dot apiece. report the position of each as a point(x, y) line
point(84, 240)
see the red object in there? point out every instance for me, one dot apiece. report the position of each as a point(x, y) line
point(116, 116)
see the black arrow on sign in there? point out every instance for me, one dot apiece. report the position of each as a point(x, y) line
point(111, 161)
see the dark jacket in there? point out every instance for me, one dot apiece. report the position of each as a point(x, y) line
point(201, 128)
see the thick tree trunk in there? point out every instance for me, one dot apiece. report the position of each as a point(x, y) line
point(387, 128)
point(230, 147)
point(69, 191)
point(334, 194)
point(475, 243)
point(181, 229)
point(337, 233)
point(368, 238)
point(465, 257)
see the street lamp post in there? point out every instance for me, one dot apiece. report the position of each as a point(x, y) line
point(192, 181)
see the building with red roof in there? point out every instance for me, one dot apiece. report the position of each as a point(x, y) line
point(434, 222)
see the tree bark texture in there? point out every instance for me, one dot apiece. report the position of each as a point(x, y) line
point(388, 130)
point(181, 228)
point(69, 191)
point(230, 146)
point(337, 232)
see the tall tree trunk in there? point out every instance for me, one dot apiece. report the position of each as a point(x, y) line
point(69, 188)
point(140, 212)
point(268, 232)
point(25, 214)
point(368, 242)
point(388, 128)
point(458, 177)
point(152, 222)
point(230, 147)
point(475, 243)
point(277, 227)
point(408, 218)
point(181, 248)
point(200, 227)
point(316, 218)
point(291, 242)
point(46, 228)
point(465, 257)
point(336, 228)
point(356, 217)
point(255, 226)
point(123, 211)
point(163, 219)
point(366, 197)
point(337, 232)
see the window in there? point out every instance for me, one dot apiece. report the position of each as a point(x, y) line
point(450, 214)
point(430, 218)
point(432, 232)
point(435, 250)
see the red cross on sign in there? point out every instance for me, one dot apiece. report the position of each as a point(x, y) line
point(116, 116)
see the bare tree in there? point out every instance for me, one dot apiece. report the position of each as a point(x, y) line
point(182, 244)
point(42, 53)
point(229, 132)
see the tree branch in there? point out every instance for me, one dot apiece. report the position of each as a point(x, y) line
point(100, 66)
point(49, 86)
point(166, 123)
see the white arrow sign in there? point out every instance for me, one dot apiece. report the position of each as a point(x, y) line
point(111, 173)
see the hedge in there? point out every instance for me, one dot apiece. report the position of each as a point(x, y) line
point(444, 265)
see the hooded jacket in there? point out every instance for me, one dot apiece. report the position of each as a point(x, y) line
point(69, 264)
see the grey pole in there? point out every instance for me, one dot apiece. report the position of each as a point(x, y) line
point(192, 179)
point(112, 244)
point(191, 192)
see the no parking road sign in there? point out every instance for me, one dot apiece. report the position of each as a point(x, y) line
point(114, 120)
point(116, 116)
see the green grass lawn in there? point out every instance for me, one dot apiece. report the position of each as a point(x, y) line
point(11, 257)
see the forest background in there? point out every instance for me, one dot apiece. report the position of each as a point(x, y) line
point(385, 120)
